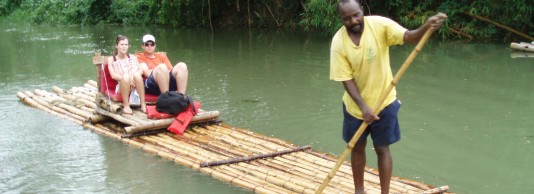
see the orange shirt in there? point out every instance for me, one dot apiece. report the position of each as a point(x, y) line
point(153, 62)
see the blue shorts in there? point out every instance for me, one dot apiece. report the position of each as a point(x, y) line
point(151, 86)
point(384, 132)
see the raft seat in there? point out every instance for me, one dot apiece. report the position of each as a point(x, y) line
point(107, 87)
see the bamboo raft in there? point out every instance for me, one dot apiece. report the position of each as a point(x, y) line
point(523, 46)
point(241, 157)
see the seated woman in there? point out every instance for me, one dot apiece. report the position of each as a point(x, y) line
point(124, 68)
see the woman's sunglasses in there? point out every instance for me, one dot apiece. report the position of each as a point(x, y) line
point(150, 44)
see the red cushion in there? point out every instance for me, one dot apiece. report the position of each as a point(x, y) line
point(107, 87)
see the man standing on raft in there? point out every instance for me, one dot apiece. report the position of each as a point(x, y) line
point(161, 75)
point(359, 58)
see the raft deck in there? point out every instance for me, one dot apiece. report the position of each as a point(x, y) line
point(241, 157)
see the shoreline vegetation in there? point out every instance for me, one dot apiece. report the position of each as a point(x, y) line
point(510, 21)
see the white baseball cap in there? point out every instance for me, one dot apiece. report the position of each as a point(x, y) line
point(148, 37)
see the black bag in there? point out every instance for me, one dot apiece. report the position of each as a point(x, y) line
point(172, 102)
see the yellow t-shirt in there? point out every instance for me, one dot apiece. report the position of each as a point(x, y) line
point(368, 63)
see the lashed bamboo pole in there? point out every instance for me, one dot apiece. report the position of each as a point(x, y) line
point(257, 141)
point(256, 144)
point(87, 90)
point(270, 179)
point(60, 108)
point(90, 86)
point(206, 157)
point(28, 100)
point(62, 94)
point(286, 167)
point(381, 100)
point(278, 157)
point(282, 177)
point(164, 123)
point(295, 164)
point(251, 177)
point(115, 116)
point(294, 177)
point(252, 134)
point(45, 94)
point(109, 105)
point(74, 102)
point(136, 117)
point(92, 83)
point(236, 151)
point(57, 90)
point(82, 96)
point(255, 157)
point(437, 189)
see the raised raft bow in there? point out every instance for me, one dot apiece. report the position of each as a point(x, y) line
point(250, 160)
point(523, 46)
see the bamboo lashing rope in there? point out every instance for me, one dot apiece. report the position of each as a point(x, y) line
point(381, 100)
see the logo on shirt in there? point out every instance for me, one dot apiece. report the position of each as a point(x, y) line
point(371, 54)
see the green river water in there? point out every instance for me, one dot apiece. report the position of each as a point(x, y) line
point(466, 117)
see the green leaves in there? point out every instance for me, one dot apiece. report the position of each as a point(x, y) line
point(316, 15)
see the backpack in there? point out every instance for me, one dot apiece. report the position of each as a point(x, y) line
point(172, 102)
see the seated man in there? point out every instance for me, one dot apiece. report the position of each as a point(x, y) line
point(161, 75)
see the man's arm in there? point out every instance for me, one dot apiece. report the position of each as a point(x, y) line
point(434, 22)
point(354, 92)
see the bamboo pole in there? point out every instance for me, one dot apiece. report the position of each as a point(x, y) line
point(57, 90)
point(60, 108)
point(437, 189)
point(255, 157)
point(283, 167)
point(90, 86)
point(115, 116)
point(203, 156)
point(499, 25)
point(92, 83)
point(71, 101)
point(204, 144)
point(82, 96)
point(250, 138)
point(381, 100)
point(263, 137)
point(98, 118)
point(164, 123)
point(87, 90)
point(137, 118)
point(109, 105)
point(279, 157)
point(28, 100)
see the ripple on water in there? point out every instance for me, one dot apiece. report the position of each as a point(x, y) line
point(41, 153)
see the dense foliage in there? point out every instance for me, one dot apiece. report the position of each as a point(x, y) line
point(318, 15)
